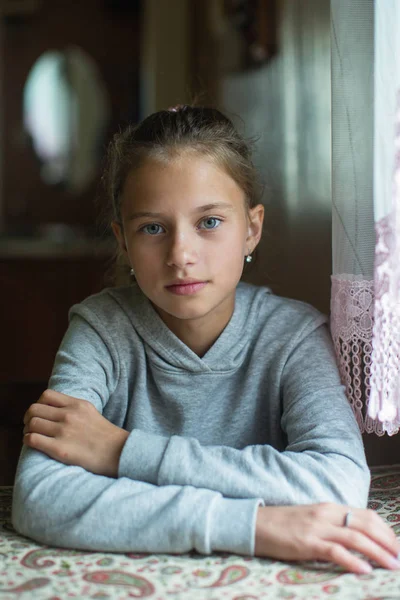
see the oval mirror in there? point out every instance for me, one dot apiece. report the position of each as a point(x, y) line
point(66, 112)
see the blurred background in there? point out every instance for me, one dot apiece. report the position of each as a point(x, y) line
point(72, 73)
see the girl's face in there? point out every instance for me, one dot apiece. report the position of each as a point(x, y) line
point(186, 232)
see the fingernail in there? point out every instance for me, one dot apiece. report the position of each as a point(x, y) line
point(394, 563)
point(366, 568)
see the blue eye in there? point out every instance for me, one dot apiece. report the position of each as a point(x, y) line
point(152, 229)
point(210, 223)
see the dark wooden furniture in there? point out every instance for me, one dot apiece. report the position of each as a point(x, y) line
point(36, 296)
point(41, 275)
point(109, 33)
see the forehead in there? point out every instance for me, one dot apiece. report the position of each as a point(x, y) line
point(192, 179)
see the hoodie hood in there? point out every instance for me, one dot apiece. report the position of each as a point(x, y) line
point(226, 354)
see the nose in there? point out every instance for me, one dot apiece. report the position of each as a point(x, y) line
point(182, 250)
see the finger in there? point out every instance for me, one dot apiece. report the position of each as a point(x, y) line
point(339, 555)
point(53, 398)
point(358, 541)
point(371, 524)
point(41, 426)
point(48, 445)
point(44, 411)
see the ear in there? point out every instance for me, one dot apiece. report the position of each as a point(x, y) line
point(256, 219)
point(119, 234)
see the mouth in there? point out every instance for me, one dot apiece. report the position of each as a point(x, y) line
point(186, 287)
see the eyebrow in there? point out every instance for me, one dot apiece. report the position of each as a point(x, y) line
point(199, 209)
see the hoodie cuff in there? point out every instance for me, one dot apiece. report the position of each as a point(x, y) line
point(232, 526)
point(141, 456)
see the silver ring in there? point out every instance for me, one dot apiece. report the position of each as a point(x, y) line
point(347, 519)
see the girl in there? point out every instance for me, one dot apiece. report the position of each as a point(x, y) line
point(188, 410)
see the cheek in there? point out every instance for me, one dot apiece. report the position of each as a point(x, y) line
point(229, 254)
point(235, 242)
point(141, 253)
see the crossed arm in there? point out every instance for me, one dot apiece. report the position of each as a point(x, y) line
point(320, 463)
point(73, 432)
point(171, 518)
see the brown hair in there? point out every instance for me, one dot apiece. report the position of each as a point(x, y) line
point(167, 133)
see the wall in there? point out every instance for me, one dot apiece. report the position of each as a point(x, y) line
point(287, 105)
point(165, 54)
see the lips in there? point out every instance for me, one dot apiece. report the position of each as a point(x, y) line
point(186, 287)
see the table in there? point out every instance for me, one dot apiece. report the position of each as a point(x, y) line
point(33, 571)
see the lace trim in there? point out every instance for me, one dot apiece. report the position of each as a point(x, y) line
point(362, 328)
point(352, 307)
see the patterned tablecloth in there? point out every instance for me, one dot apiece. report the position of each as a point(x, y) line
point(29, 570)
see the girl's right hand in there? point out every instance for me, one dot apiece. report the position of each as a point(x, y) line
point(317, 532)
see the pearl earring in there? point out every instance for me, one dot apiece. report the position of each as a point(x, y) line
point(132, 273)
point(249, 258)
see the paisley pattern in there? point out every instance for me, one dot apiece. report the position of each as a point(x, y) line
point(138, 586)
point(296, 576)
point(27, 586)
point(34, 559)
point(34, 571)
point(231, 575)
point(228, 576)
point(387, 482)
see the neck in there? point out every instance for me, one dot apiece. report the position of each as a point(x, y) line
point(199, 334)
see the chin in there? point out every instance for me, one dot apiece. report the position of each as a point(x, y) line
point(184, 314)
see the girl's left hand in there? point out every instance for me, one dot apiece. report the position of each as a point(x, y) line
point(73, 432)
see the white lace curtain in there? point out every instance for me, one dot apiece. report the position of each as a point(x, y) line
point(365, 304)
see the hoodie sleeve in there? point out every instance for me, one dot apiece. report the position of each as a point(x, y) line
point(87, 363)
point(324, 459)
point(65, 506)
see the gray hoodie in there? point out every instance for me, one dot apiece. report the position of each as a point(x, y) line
point(260, 419)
